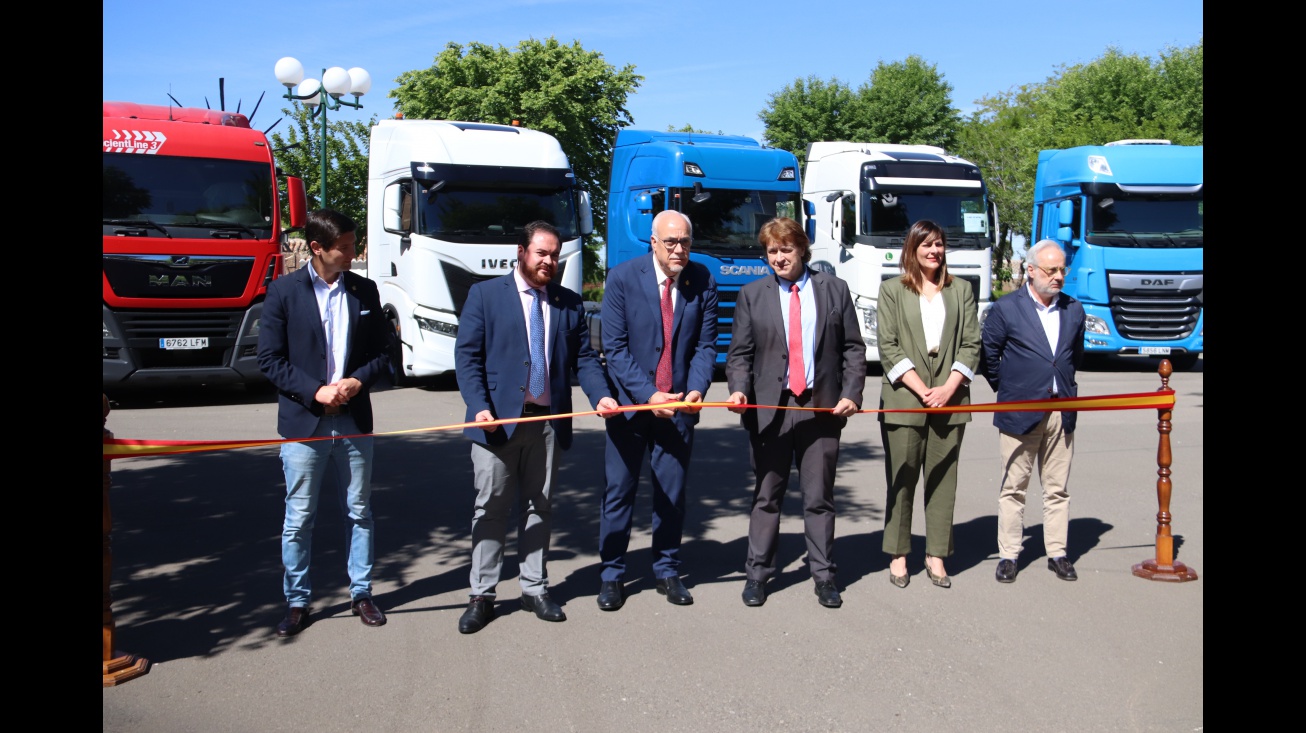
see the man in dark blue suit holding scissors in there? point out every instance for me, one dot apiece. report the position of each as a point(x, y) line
point(520, 339)
point(659, 337)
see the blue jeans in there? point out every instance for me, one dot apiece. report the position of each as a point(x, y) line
point(306, 466)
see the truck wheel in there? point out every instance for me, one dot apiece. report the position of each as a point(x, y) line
point(398, 377)
point(1184, 362)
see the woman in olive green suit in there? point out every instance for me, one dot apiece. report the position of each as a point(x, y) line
point(929, 340)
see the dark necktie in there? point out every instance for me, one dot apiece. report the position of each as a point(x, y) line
point(664, 361)
point(537, 345)
point(797, 373)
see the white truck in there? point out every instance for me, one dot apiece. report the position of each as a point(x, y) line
point(867, 195)
point(446, 201)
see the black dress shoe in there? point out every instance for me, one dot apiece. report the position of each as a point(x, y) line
point(1006, 571)
point(1062, 567)
point(480, 611)
point(612, 595)
point(827, 594)
point(366, 609)
point(674, 590)
point(544, 607)
point(754, 593)
point(296, 620)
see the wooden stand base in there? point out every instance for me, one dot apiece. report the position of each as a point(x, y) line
point(1176, 573)
point(124, 667)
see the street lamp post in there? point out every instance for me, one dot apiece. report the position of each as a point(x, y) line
point(322, 96)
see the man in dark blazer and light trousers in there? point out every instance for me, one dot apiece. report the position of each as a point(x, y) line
point(634, 344)
point(761, 371)
point(325, 344)
point(517, 462)
point(1033, 342)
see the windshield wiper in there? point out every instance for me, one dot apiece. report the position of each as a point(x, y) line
point(137, 222)
point(229, 225)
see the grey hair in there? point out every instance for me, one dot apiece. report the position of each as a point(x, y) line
point(668, 213)
point(1031, 254)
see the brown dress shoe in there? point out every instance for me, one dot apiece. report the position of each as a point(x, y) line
point(366, 609)
point(296, 620)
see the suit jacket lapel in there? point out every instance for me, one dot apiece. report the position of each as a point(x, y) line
point(555, 316)
point(911, 316)
point(951, 311)
point(1032, 322)
point(820, 298)
point(313, 314)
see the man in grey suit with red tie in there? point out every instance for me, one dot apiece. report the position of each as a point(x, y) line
point(1033, 342)
point(521, 337)
point(659, 337)
point(795, 343)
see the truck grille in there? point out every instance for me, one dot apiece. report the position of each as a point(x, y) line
point(727, 296)
point(1154, 314)
point(143, 329)
point(177, 276)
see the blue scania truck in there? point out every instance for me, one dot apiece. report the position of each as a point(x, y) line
point(728, 186)
point(1129, 215)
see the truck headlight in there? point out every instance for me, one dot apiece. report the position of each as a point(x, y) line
point(434, 326)
point(1093, 324)
point(869, 323)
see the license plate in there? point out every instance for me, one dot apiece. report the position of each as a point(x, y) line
point(186, 343)
point(1154, 350)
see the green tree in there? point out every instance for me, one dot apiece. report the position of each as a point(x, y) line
point(1119, 96)
point(995, 137)
point(563, 90)
point(810, 110)
point(299, 153)
point(907, 102)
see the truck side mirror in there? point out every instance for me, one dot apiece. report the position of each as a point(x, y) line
point(1066, 213)
point(809, 216)
point(1063, 235)
point(390, 215)
point(298, 202)
point(586, 213)
point(640, 218)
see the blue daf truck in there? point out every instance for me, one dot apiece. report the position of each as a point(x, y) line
point(1129, 215)
point(728, 186)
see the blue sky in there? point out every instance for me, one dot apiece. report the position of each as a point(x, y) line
point(711, 64)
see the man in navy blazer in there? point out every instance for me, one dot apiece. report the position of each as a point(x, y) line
point(506, 350)
point(652, 359)
point(324, 343)
point(1033, 341)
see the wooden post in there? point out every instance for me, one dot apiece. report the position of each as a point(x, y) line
point(118, 666)
point(1164, 567)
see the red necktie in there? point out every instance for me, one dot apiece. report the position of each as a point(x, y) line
point(664, 361)
point(797, 374)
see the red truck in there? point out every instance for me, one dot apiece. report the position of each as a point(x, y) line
point(192, 239)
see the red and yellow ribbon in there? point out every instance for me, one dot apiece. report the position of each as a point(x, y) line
point(1160, 399)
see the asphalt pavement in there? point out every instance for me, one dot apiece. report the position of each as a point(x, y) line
point(197, 590)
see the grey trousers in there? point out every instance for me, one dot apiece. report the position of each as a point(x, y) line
point(521, 472)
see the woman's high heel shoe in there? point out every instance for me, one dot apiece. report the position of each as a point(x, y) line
point(943, 581)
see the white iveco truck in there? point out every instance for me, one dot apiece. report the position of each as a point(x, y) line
point(445, 204)
point(868, 195)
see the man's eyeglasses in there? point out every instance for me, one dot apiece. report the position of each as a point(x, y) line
point(674, 243)
point(1050, 271)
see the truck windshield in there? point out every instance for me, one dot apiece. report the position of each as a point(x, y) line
point(728, 221)
point(178, 192)
point(471, 213)
point(1149, 221)
point(888, 213)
